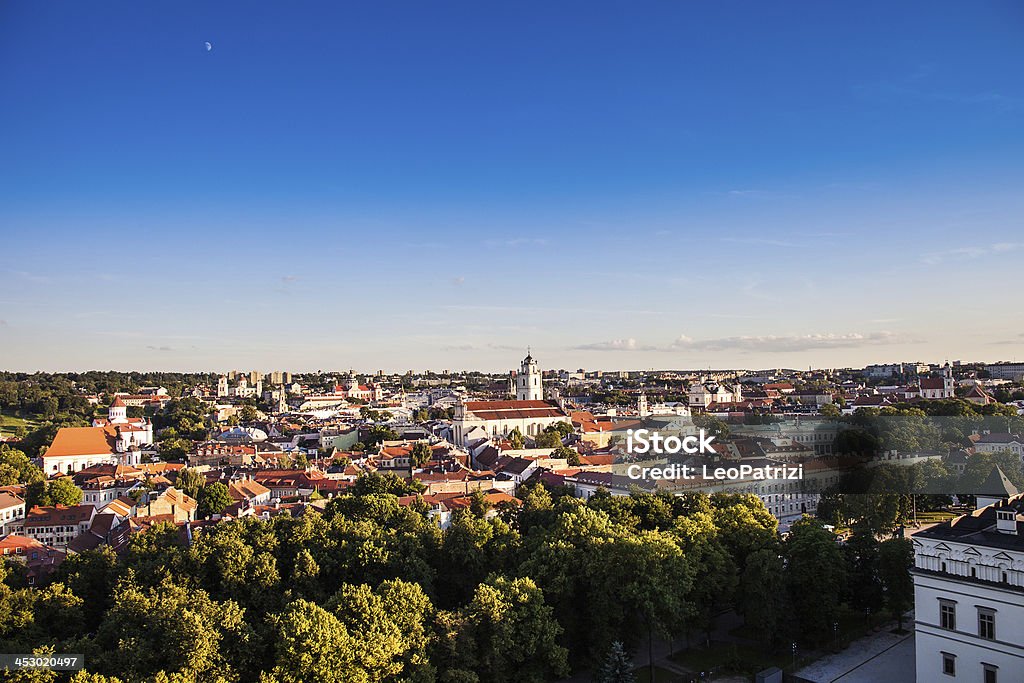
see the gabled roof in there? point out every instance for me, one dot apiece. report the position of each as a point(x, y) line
point(82, 441)
point(512, 410)
point(47, 516)
point(996, 485)
point(9, 500)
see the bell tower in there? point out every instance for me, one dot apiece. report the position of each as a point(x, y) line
point(528, 381)
point(118, 411)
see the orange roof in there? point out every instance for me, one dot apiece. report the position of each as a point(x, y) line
point(121, 507)
point(118, 403)
point(246, 489)
point(9, 500)
point(47, 516)
point(82, 441)
point(13, 541)
point(159, 467)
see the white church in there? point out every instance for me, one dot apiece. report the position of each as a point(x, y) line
point(529, 412)
point(115, 440)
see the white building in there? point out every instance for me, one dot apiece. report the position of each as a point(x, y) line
point(529, 385)
point(116, 440)
point(58, 525)
point(938, 387)
point(702, 395)
point(528, 413)
point(12, 512)
point(969, 591)
point(1000, 443)
point(1011, 371)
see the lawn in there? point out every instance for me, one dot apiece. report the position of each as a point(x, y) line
point(9, 424)
point(937, 516)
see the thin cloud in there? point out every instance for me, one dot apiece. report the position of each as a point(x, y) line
point(751, 193)
point(516, 242)
point(31, 277)
point(761, 241)
point(483, 347)
point(970, 252)
point(1017, 341)
point(629, 344)
point(459, 281)
point(791, 343)
point(159, 348)
point(288, 279)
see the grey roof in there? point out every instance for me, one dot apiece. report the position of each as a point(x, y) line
point(996, 485)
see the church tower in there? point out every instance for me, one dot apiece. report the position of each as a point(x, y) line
point(641, 405)
point(118, 411)
point(528, 381)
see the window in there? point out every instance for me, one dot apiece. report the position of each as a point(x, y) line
point(947, 615)
point(990, 675)
point(948, 664)
point(986, 623)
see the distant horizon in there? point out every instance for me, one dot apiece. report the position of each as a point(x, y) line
point(545, 368)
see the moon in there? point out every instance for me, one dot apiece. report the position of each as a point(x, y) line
point(209, 46)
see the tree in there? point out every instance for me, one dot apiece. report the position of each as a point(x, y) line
point(548, 439)
point(895, 558)
point(248, 414)
point(715, 426)
point(213, 498)
point(421, 454)
point(816, 578)
point(379, 644)
point(189, 482)
point(861, 551)
point(173, 629)
point(516, 439)
point(16, 460)
point(91, 575)
point(379, 433)
point(829, 410)
point(505, 611)
point(763, 593)
point(61, 491)
point(571, 455)
point(617, 666)
point(311, 644)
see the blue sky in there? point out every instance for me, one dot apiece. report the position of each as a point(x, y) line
point(409, 185)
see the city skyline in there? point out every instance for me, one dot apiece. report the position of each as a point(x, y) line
point(410, 187)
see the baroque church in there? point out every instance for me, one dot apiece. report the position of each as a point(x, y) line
point(529, 412)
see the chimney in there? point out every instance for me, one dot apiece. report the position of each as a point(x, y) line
point(1006, 522)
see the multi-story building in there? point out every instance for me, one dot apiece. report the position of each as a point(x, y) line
point(1011, 371)
point(701, 395)
point(999, 443)
point(58, 526)
point(12, 512)
point(116, 439)
point(969, 591)
point(529, 413)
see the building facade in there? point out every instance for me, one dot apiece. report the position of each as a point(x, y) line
point(969, 596)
